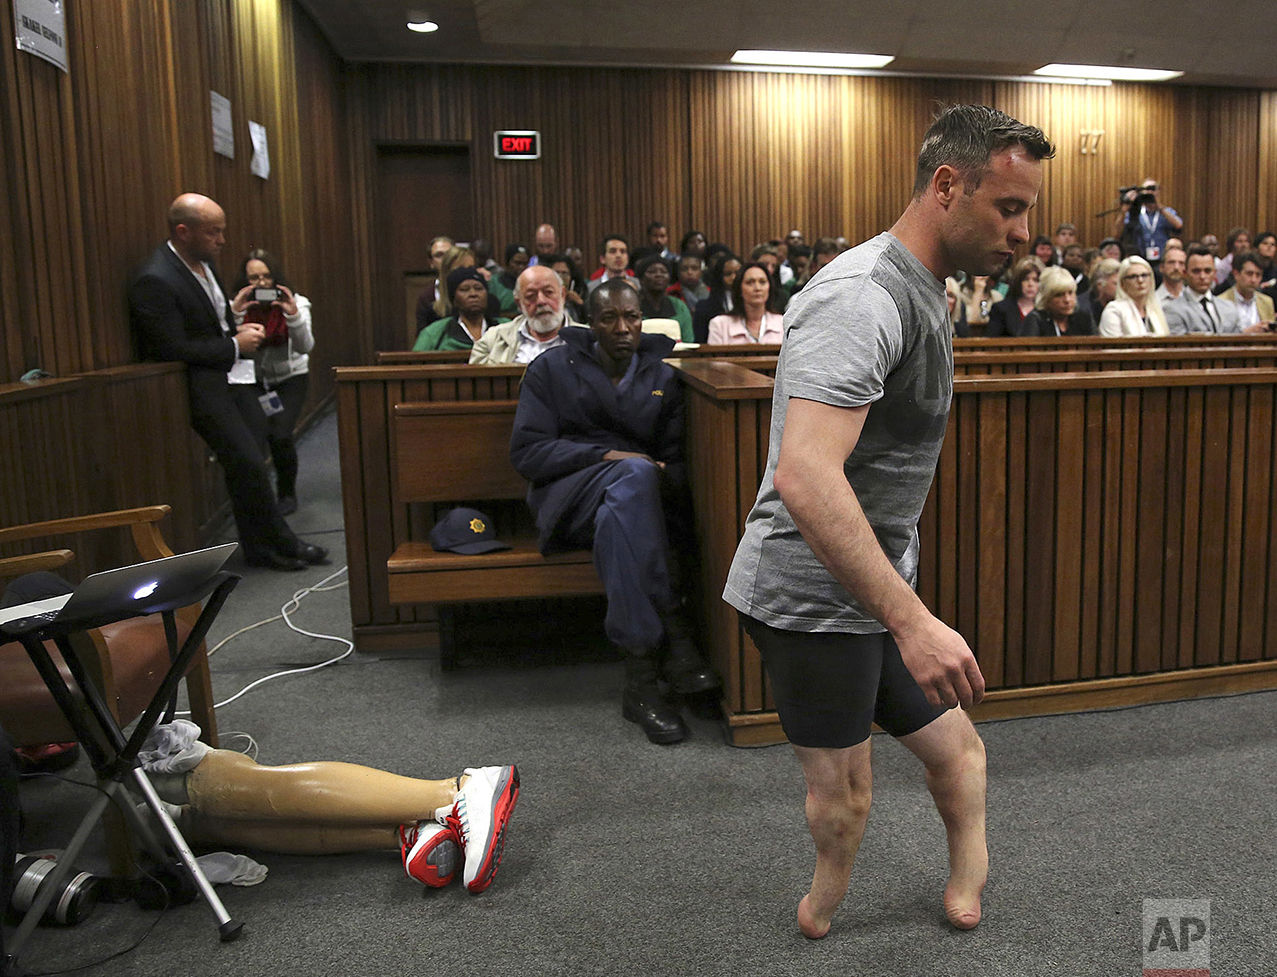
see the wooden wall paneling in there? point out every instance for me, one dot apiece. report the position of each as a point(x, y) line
point(1195, 478)
point(1069, 529)
point(1266, 163)
point(14, 242)
point(1256, 560)
point(1231, 168)
point(329, 276)
point(1018, 538)
point(1270, 634)
point(1110, 541)
point(967, 565)
point(1150, 533)
point(1092, 557)
point(1172, 556)
point(361, 161)
point(1214, 516)
point(374, 407)
point(746, 155)
point(1128, 510)
point(101, 423)
point(1231, 530)
point(1039, 550)
point(989, 634)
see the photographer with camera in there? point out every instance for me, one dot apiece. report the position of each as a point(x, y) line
point(1145, 222)
point(282, 362)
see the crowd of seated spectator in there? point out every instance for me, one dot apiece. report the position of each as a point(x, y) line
point(1090, 290)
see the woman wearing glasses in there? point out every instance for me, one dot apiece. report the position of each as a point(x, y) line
point(1136, 310)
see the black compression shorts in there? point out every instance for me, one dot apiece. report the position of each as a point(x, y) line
point(830, 687)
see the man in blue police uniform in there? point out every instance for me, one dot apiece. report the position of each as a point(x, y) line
point(599, 435)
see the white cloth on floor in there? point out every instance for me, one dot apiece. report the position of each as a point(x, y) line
point(173, 748)
point(222, 866)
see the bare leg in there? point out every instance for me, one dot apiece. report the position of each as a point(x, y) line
point(229, 785)
point(289, 838)
point(953, 754)
point(839, 791)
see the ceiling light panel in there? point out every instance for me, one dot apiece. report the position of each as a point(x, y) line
point(812, 59)
point(1107, 72)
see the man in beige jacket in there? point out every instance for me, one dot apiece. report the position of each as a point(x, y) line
point(539, 293)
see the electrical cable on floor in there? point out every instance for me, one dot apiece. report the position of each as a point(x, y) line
point(290, 606)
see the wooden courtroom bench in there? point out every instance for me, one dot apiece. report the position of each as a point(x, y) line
point(459, 453)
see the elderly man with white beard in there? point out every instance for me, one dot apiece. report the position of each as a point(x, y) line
point(539, 292)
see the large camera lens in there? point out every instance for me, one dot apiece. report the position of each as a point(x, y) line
point(72, 903)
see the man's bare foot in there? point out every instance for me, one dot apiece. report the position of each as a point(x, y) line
point(813, 928)
point(968, 872)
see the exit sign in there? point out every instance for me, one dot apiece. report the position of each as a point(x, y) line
point(516, 144)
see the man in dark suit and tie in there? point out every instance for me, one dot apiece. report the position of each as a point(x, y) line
point(180, 312)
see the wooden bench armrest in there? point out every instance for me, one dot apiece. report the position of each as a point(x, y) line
point(141, 522)
point(16, 566)
point(79, 524)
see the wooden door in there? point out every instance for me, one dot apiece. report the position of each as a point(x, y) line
point(422, 192)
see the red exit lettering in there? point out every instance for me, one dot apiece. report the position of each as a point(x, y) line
point(516, 144)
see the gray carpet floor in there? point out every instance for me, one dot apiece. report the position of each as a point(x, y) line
point(626, 858)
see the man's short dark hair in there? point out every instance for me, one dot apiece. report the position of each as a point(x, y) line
point(1245, 256)
point(606, 290)
point(655, 225)
point(799, 251)
point(613, 237)
point(1199, 251)
point(966, 137)
point(825, 245)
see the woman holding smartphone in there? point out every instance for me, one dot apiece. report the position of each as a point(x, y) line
point(262, 295)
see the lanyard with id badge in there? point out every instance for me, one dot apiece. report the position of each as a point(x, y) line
point(1151, 251)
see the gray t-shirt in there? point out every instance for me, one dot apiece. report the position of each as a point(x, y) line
point(871, 327)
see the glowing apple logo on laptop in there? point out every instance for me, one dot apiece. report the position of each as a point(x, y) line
point(145, 591)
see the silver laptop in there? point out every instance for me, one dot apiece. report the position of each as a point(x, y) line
point(141, 585)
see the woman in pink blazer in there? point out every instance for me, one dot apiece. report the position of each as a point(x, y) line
point(755, 318)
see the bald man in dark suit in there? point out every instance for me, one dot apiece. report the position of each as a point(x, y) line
point(180, 312)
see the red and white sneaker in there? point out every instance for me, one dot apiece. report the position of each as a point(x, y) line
point(479, 816)
point(430, 852)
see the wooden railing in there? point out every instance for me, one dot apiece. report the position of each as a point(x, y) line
point(1098, 538)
